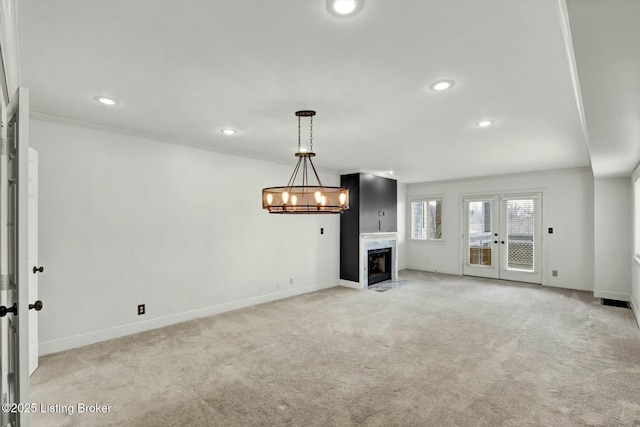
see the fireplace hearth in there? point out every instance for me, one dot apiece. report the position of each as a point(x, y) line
point(379, 265)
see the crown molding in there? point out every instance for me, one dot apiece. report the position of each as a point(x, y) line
point(69, 121)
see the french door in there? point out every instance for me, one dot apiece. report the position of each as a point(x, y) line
point(14, 261)
point(502, 237)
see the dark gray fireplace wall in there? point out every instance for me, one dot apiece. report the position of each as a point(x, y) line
point(373, 208)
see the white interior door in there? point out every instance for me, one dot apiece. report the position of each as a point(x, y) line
point(14, 255)
point(5, 298)
point(502, 237)
point(35, 269)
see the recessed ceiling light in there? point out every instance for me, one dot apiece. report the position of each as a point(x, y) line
point(344, 8)
point(442, 85)
point(228, 131)
point(106, 101)
point(484, 123)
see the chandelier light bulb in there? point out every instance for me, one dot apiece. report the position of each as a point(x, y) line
point(285, 197)
point(318, 196)
point(323, 200)
point(269, 199)
point(343, 198)
point(294, 200)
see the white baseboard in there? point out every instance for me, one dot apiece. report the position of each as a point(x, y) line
point(350, 284)
point(432, 270)
point(569, 285)
point(618, 296)
point(550, 283)
point(67, 343)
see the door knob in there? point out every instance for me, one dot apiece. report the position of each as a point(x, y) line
point(36, 305)
point(5, 310)
point(502, 241)
point(495, 241)
point(36, 270)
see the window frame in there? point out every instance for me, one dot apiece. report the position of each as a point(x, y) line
point(426, 199)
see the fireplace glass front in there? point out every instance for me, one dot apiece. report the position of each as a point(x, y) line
point(379, 265)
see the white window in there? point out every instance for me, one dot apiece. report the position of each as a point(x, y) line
point(426, 219)
point(637, 203)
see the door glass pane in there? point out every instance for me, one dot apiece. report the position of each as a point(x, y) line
point(435, 219)
point(520, 224)
point(479, 233)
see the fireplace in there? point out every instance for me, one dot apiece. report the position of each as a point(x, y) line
point(373, 242)
point(379, 265)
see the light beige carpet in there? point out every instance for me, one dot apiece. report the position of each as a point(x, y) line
point(440, 351)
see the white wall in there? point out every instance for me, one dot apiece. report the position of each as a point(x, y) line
point(126, 220)
point(567, 206)
point(612, 241)
point(9, 42)
point(402, 226)
point(635, 263)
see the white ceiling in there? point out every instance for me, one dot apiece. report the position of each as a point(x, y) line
point(606, 40)
point(183, 70)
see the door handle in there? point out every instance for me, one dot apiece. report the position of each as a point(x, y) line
point(14, 308)
point(36, 305)
point(36, 270)
point(6, 310)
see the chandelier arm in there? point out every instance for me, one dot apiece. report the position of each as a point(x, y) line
point(294, 174)
point(305, 177)
point(316, 174)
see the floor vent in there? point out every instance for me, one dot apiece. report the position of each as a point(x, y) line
point(615, 303)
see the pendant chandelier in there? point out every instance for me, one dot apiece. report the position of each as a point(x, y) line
point(305, 198)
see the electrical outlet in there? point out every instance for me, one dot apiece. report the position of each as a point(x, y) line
point(141, 309)
point(321, 230)
point(554, 273)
